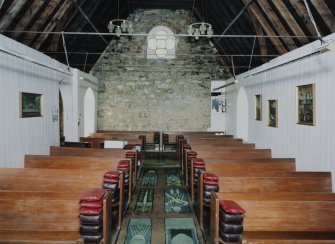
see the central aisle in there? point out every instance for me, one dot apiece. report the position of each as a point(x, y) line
point(169, 219)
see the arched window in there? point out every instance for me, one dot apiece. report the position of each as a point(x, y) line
point(161, 43)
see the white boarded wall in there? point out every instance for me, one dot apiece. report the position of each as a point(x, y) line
point(312, 146)
point(23, 69)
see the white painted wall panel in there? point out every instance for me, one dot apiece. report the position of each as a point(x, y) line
point(20, 136)
point(312, 146)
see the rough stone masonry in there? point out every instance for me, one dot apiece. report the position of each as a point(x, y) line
point(136, 93)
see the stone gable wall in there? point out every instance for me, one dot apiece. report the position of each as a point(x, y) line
point(140, 94)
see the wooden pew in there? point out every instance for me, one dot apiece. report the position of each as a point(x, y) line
point(97, 139)
point(98, 153)
point(76, 181)
point(69, 162)
point(44, 217)
point(207, 141)
point(280, 217)
point(215, 148)
point(265, 181)
point(224, 154)
point(236, 165)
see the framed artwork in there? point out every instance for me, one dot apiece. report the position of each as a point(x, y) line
point(306, 104)
point(31, 105)
point(273, 113)
point(258, 107)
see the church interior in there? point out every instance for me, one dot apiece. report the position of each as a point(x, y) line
point(171, 121)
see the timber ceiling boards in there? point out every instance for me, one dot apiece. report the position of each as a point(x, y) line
point(32, 22)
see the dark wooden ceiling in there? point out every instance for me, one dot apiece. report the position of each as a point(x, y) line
point(34, 23)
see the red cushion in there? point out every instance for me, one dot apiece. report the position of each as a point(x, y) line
point(123, 164)
point(192, 154)
point(199, 166)
point(112, 180)
point(92, 204)
point(231, 207)
point(198, 163)
point(210, 177)
point(112, 174)
point(130, 154)
point(93, 194)
point(90, 211)
point(212, 183)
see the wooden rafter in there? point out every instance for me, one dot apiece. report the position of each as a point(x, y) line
point(300, 9)
point(267, 9)
point(29, 18)
point(278, 45)
point(59, 27)
point(53, 23)
point(11, 13)
point(259, 32)
point(325, 13)
point(291, 22)
point(20, 14)
point(5, 5)
point(39, 22)
point(81, 24)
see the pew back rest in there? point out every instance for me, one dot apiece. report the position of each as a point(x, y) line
point(284, 211)
point(69, 162)
point(90, 152)
point(253, 166)
point(254, 153)
point(275, 184)
point(49, 211)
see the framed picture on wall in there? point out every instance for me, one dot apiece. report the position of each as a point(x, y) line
point(258, 107)
point(306, 104)
point(31, 105)
point(273, 113)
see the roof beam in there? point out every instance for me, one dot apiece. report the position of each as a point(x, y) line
point(88, 21)
point(41, 21)
point(300, 9)
point(5, 6)
point(33, 14)
point(278, 45)
point(325, 13)
point(20, 14)
point(11, 13)
point(261, 40)
point(52, 24)
point(291, 22)
point(59, 27)
point(267, 9)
